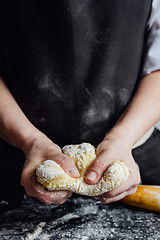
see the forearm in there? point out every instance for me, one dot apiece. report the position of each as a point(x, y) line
point(142, 112)
point(18, 130)
point(15, 128)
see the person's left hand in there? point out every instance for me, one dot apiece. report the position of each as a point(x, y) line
point(111, 149)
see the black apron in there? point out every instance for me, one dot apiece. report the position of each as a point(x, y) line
point(72, 65)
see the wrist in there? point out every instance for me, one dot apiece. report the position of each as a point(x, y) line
point(37, 141)
point(120, 134)
point(30, 139)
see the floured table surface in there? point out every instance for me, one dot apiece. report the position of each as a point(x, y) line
point(79, 218)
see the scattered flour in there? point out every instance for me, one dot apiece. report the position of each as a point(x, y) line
point(64, 218)
point(36, 232)
point(81, 218)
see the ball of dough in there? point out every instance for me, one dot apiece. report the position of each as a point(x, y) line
point(53, 177)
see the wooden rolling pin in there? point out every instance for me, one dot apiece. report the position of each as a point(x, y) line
point(146, 196)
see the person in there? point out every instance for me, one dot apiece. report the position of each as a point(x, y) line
point(76, 71)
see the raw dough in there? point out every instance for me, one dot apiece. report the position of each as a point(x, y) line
point(53, 177)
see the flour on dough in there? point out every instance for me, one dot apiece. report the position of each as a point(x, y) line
point(53, 177)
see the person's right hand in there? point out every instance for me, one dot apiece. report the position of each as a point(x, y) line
point(36, 151)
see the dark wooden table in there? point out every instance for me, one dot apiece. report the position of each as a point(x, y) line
point(79, 218)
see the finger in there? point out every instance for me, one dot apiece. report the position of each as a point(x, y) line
point(67, 164)
point(96, 197)
point(61, 201)
point(45, 201)
point(101, 147)
point(51, 197)
point(119, 197)
point(57, 195)
point(132, 181)
point(69, 194)
point(58, 201)
point(39, 195)
point(106, 195)
point(35, 189)
point(97, 168)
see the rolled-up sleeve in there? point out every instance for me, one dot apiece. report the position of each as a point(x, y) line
point(152, 49)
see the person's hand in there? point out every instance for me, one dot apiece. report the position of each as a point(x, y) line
point(36, 151)
point(111, 149)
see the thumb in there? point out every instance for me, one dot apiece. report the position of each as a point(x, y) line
point(97, 168)
point(67, 164)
